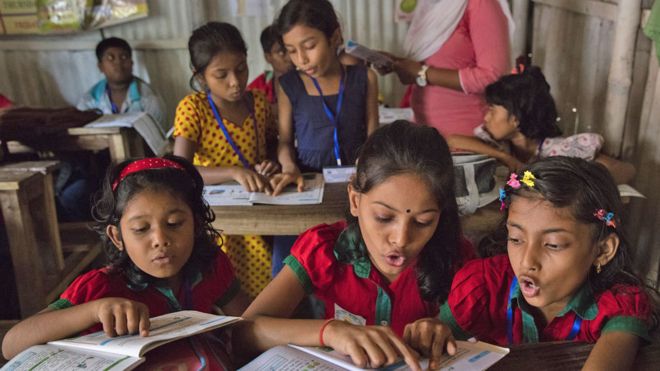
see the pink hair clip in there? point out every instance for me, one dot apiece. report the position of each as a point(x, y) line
point(607, 217)
point(513, 181)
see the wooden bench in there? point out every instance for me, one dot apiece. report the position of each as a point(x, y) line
point(43, 264)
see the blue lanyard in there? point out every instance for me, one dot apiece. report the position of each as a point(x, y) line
point(334, 118)
point(577, 322)
point(222, 127)
point(113, 106)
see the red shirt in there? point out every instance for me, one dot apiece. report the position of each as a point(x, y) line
point(354, 291)
point(479, 296)
point(217, 287)
point(265, 83)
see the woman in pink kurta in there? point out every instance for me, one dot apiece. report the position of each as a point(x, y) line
point(448, 94)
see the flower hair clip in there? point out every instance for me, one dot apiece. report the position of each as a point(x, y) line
point(502, 199)
point(528, 179)
point(606, 217)
point(513, 181)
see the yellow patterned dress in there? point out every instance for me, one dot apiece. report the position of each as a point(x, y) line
point(250, 255)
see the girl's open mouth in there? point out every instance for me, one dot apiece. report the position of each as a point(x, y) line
point(395, 260)
point(528, 287)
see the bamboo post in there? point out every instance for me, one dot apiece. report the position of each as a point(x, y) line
point(520, 14)
point(620, 77)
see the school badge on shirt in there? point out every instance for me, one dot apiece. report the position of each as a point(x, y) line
point(344, 315)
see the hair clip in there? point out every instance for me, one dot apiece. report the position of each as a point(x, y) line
point(607, 217)
point(528, 178)
point(513, 181)
point(502, 198)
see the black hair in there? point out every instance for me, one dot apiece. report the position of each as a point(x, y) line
point(526, 96)
point(209, 40)
point(186, 184)
point(404, 148)
point(584, 187)
point(112, 42)
point(318, 14)
point(268, 38)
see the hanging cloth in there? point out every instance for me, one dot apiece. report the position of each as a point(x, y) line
point(434, 21)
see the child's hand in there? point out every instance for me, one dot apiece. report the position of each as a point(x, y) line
point(250, 180)
point(281, 180)
point(369, 346)
point(428, 336)
point(267, 168)
point(121, 316)
point(512, 163)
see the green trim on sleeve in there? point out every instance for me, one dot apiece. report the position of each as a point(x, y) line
point(447, 317)
point(300, 272)
point(230, 294)
point(60, 304)
point(631, 325)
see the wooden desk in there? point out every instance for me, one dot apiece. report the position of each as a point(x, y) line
point(123, 143)
point(566, 356)
point(295, 219)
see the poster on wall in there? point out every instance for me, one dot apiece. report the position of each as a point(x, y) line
point(65, 16)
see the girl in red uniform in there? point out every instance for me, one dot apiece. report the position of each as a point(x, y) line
point(162, 253)
point(383, 273)
point(566, 274)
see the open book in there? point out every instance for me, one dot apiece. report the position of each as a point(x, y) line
point(470, 356)
point(233, 194)
point(145, 125)
point(98, 352)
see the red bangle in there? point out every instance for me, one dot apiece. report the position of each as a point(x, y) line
point(325, 324)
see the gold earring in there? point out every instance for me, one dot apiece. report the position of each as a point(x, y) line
point(598, 268)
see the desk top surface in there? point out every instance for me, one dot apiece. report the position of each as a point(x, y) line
point(566, 356)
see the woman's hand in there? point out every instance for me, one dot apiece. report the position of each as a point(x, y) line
point(121, 316)
point(250, 180)
point(368, 346)
point(267, 168)
point(407, 70)
point(429, 337)
point(281, 180)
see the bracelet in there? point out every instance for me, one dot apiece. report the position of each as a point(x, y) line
point(325, 324)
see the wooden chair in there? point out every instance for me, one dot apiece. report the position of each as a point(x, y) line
point(43, 264)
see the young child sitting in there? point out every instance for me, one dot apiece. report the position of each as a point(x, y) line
point(566, 275)
point(277, 56)
point(162, 253)
point(382, 274)
point(120, 91)
point(520, 126)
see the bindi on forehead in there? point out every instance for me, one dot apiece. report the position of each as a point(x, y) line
point(408, 211)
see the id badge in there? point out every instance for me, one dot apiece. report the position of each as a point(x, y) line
point(338, 174)
point(344, 315)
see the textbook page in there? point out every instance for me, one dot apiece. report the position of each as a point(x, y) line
point(286, 358)
point(469, 356)
point(164, 329)
point(149, 130)
point(626, 190)
point(51, 357)
point(387, 115)
point(233, 194)
point(312, 193)
point(226, 194)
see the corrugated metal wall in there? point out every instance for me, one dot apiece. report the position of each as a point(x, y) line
point(574, 49)
point(56, 70)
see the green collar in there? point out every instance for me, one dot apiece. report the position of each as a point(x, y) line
point(350, 249)
point(582, 303)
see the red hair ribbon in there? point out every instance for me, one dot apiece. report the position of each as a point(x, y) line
point(145, 164)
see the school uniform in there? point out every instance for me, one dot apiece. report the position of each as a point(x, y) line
point(196, 122)
point(140, 97)
point(216, 287)
point(355, 291)
point(484, 289)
